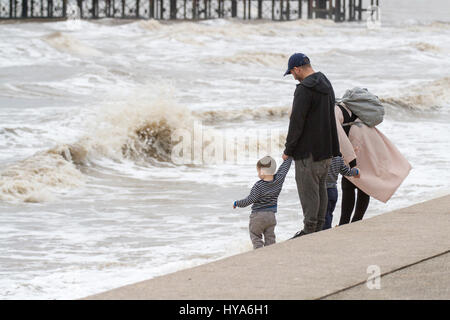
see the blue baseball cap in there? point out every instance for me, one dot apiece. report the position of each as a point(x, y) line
point(296, 60)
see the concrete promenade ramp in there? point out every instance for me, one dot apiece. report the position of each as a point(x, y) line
point(408, 247)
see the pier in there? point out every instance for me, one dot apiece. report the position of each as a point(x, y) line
point(337, 10)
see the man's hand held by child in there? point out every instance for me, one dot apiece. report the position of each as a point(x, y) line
point(285, 157)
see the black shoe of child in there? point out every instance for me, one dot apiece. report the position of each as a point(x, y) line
point(298, 234)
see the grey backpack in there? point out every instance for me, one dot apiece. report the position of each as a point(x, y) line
point(365, 105)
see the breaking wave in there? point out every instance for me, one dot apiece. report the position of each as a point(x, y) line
point(428, 26)
point(139, 128)
point(66, 43)
point(424, 46)
point(142, 129)
point(142, 126)
point(37, 178)
point(429, 96)
point(215, 116)
point(146, 129)
point(150, 25)
point(258, 58)
point(222, 28)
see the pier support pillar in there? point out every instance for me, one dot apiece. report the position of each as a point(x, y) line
point(24, 8)
point(321, 5)
point(300, 2)
point(288, 10)
point(310, 9)
point(50, 9)
point(95, 8)
point(260, 9)
point(151, 6)
point(337, 11)
point(359, 10)
point(64, 9)
point(173, 9)
point(233, 8)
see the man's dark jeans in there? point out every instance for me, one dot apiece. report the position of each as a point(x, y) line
point(310, 177)
point(332, 199)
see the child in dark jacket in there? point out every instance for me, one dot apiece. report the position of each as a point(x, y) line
point(337, 166)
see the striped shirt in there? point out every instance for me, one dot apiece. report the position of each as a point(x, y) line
point(264, 194)
point(338, 166)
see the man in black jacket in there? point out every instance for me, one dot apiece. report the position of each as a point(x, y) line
point(312, 139)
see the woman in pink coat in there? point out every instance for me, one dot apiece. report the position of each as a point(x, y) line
point(383, 167)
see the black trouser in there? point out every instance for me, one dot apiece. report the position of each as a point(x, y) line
point(348, 202)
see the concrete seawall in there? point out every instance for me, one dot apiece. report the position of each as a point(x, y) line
point(409, 247)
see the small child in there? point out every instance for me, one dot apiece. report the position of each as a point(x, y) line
point(264, 196)
point(337, 166)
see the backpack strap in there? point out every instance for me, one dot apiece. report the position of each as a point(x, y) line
point(348, 120)
point(346, 125)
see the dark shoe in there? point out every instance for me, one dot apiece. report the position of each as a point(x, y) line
point(298, 234)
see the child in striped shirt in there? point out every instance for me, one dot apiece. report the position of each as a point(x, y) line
point(264, 197)
point(337, 166)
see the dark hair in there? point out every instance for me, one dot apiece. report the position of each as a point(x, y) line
point(306, 65)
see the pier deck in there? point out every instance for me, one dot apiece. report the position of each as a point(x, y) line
point(337, 10)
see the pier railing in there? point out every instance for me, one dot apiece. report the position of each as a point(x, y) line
point(338, 10)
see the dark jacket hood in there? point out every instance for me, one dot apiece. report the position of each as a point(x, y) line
point(317, 82)
point(312, 124)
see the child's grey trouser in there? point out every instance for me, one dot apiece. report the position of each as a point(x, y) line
point(262, 223)
point(310, 177)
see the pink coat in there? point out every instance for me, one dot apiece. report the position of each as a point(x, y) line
point(383, 167)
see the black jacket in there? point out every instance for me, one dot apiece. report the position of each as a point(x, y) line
point(312, 126)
